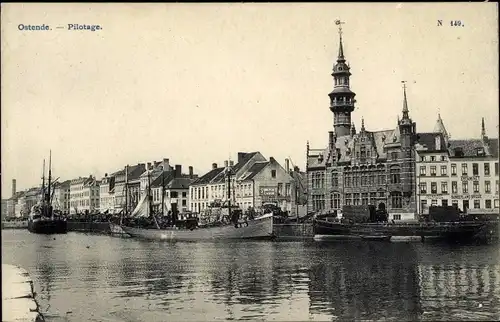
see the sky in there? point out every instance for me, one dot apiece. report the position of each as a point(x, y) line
point(198, 83)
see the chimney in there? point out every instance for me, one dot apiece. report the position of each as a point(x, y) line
point(148, 167)
point(241, 155)
point(105, 175)
point(13, 187)
point(166, 164)
point(190, 172)
point(214, 165)
point(156, 164)
point(287, 165)
point(178, 170)
point(296, 169)
point(438, 142)
point(226, 164)
point(271, 159)
point(331, 140)
point(231, 163)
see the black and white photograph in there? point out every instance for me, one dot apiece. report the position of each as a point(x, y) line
point(250, 161)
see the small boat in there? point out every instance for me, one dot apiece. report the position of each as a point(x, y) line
point(42, 218)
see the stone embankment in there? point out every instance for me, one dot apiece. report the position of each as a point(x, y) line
point(18, 296)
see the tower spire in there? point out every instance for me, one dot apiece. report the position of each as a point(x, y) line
point(362, 124)
point(341, 47)
point(405, 102)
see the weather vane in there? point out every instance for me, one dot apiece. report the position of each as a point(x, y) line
point(404, 84)
point(339, 23)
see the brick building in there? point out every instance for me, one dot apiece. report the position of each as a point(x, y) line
point(366, 167)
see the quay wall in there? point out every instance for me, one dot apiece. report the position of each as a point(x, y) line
point(18, 296)
point(15, 224)
point(293, 231)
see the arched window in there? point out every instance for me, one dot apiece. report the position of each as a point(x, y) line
point(335, 179)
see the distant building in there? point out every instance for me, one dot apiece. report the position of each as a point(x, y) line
point(4, 209)
point(176, 188)
point(463, 173)
point(254, 183)
point(84, 195)
point(132, 173)
point(61, 199)
point(106, 194)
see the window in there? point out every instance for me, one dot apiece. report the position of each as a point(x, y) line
point(280, 189)
point(348, 199)
point(487, 204)
point(465, 204)
point(444, 202)
point(496, 168)
point(273, 173)
point(422, 158)
point(433, 187)
point(444, 170)
point(496, 186)
point(454, 188)
point(496, 203)
point(288, 190)
point(394, 155)
point(395, 175)
point(396, 217)
point(433, 158)
point(174, 194)
point(475, 186)
point(453, 169)
point(433, 170)
point(443, 158)
point(487, 187)
point(475, 169)
point(364, 199)
point(423, 187)
point(355, 199)
point(184, 202)
point(477, 204)
point(465, 187)
point(434, 202)
point(397, 200)
point(444, 187)
point(486, 169)
point(335, 179)
point(381, 179)
point(422, 170)
point(454, 203)
point(464, 169)
point(336, 201)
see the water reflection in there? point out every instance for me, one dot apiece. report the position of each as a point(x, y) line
point(99, 278)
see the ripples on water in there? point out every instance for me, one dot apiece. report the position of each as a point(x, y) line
point(83, 277)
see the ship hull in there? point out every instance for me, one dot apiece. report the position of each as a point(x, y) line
point(452, 231)
point(48, 226)
point(116, 229)
point(260, 228)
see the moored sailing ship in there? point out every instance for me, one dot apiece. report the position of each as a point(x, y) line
point(227, 224)
point(42, 218)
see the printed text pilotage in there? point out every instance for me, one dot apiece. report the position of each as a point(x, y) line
point(70, 27)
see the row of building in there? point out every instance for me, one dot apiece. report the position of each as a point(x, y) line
point(401, 170)
point(254, 182)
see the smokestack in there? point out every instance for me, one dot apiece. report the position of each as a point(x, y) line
point(214, 165)
point(226, 164)
point(178, 170)
point(287, 165)
point(190, 172)
point(166, 164)
point(13, 187)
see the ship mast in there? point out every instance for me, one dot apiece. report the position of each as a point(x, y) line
point(50, 178)
point(163, 192)
point(43, 181)
point(150, 204)
point(126, 195)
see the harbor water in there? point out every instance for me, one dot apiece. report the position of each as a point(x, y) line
point(84, 277)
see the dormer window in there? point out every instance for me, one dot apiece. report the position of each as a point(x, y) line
point(480, 151)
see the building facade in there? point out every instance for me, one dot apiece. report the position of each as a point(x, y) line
point(61, 199)
point(366, 167)
point(463, 173)
point(106, 194)
point(84, 195)
point(254, 182)
point(175, 187)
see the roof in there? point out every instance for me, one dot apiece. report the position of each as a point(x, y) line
point(427, 141)
point(471, 146)
point(158, 181)
point(208, 176)
point(244, 160)
point(179, 183)
point(254, 170)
